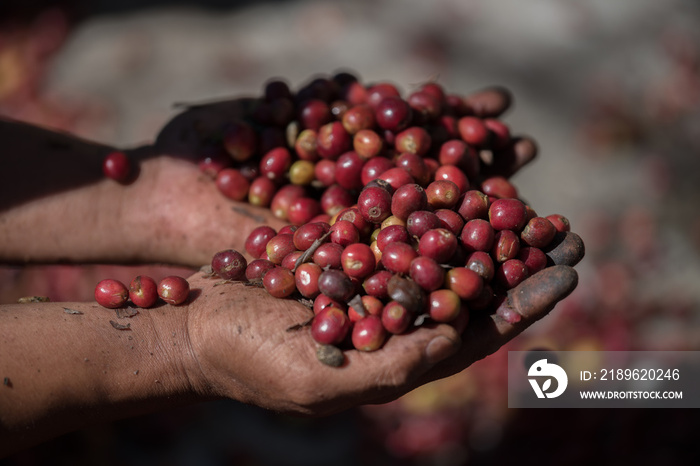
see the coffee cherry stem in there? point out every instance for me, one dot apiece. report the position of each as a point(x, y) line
point(258, 283)
point(420, 319)
point(308, 254)
point(300, 325)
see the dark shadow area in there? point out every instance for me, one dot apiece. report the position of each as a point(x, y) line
point(115, 6)
point(215, 433)
point(27, 10)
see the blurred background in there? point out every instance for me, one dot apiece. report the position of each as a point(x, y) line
point(611, 92)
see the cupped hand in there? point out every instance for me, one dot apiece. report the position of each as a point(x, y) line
point(251, 347)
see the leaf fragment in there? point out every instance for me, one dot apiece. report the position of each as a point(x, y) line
point(119, 326)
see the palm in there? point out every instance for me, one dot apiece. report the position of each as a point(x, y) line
point(236, 329)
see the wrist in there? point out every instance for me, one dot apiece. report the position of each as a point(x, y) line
point(68, 370)
point(177, 374)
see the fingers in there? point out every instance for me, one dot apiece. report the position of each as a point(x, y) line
point(566, 249)
point(535, 297)
point(524, 305)
point(200, 125)
point(506, 162)
point(490, 102)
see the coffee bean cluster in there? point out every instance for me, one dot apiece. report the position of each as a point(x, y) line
point(399, 207)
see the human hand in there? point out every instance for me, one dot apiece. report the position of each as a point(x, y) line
point(244, 346)
point(237, 330)
point(70, 364)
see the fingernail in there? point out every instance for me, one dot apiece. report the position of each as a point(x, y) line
point(440, 348)
point(507, 313)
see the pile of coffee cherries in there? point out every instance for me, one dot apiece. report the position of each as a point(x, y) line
point(398, 211)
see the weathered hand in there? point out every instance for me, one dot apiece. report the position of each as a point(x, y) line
point(235, 329)
point(248, 347)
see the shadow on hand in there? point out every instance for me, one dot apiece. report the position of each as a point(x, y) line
point(39, 162)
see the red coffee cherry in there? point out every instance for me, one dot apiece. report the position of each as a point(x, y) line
point(533, 258)
point(143, 291)
point(374, 204)
point(367, 143)
point(240, 141)
point(376, 284)
point(438, 244)
point(442, 194)
point(507, 214)
point(307, 234)
point(279, 282)
point(116, 166)
point(358, 118)
point(229, 264)
point(257, 240)
point(510, 274)
point(332, 141)
point(368, 333)
point(475, 204)
point(392, 234)
point(465, 282)
point(375, 167)
point(473, 131)
point(330, 326)
point(427, 273)
point(279, 246)
point(358, 260)
point(344, 233)
point(393, 114)
point(560, 222)
point(232, 184)
point(499, 187)
point(445, 305)
point(397, 257)
point(174, 290)
point(413, 140)
point(328, 256)
point(396, 318)
point(257, 268)
point(477, 235)
point(538, 232)
point(408, 199)
point(306, 279)
point(111, 293)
